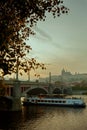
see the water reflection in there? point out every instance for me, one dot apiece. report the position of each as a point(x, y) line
point(32, 112)
point(54, 118)
point(9, 120)
point(44, 118)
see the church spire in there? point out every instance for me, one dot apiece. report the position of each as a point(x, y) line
point(63, 71)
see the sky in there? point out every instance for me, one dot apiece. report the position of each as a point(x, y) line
point(62, 42)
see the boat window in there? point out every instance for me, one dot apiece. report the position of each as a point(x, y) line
point(64, 101)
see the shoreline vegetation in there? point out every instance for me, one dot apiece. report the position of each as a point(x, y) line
point(80, 90)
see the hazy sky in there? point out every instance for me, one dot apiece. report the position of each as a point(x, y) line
point(62, 42)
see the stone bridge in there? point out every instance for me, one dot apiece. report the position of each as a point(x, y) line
point(15, 89)
point(34, 88)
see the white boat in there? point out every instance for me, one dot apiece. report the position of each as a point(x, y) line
point(56, 101)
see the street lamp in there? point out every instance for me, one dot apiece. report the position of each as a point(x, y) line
point(17, 66)
point(29, 75)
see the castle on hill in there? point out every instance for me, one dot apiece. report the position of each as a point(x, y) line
point(66, 76)
point(65, 73)
point(69, 77)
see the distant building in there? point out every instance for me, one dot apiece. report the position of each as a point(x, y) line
point(66, 76)
point(69, 77)
point(65, 73)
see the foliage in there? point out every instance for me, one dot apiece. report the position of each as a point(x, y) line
point(58, 82)
point(80, 86)
point(17, 17)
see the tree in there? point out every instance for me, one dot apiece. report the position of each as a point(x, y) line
point(17, 17)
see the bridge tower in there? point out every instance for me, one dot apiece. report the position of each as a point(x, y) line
point(16, 96)
point(16, 91)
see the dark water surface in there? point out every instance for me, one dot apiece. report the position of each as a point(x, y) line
point(45, 118)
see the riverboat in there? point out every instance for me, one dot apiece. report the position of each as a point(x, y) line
point(54, 101)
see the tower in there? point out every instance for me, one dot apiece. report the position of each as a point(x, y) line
point(63, 72)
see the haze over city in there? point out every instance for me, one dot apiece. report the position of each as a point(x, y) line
point(62, 42)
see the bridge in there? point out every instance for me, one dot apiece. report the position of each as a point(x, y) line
point(34, 88)
point(16, 89)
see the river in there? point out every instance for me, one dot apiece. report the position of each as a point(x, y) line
point(45, 118)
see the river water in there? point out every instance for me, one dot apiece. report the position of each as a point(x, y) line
point(45, 118)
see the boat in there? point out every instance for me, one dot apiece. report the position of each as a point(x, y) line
point(54, 101)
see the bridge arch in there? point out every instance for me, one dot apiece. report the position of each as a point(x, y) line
point(35, 91)
point(61, 90)
point(57, 91)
